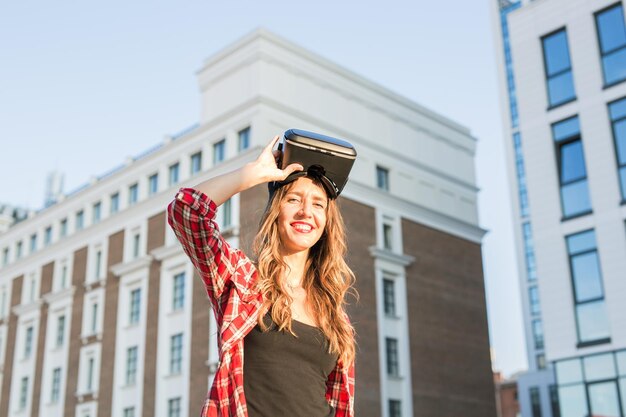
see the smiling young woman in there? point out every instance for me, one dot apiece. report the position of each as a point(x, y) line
point(284, 311)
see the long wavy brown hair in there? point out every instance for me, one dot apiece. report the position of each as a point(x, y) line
point(327, 280)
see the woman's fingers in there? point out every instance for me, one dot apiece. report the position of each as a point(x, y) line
point(292, 168)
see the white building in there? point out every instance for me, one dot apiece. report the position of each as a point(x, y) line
point(100, 313)
point(563, 64)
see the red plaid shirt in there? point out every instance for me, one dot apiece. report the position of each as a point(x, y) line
point(228, 275)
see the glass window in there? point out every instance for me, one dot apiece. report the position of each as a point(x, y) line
point(28, 342)
point(23, 392)
point(538, 334)
point(219, 151)
point(535, 401)
point(382, 178)
point(90, 365)
point(621, 363)
point(136, 245)
point(129, 412)
point(603, 399)
point(5, 256)
point(395, 408)
point(18, 250)
point(387, 236)
point(153, 184)
point(97, 212)
point(176, 353)
point(133, 194)
point(612, 40)
point(94, 317)
point(569, 371)
point(98, 266)
point(521, 174)
point(174, 173)
point(573, 401)
point(173, 407)
point(554, 401)
point(389, 297)
point(587, 282)
point(135, 305)
point(571, 167)
point(598, 367)
point(80, 219)
point(60, 331)
point(533, 295)
point(178, 301)
point(56, 385)
point(227, 213)
point(541, 361)
point(244, 139)
point(131, 365)
point(393, 367)
point(63, 224)
point(617, 110)
point(558, 68)
point(47, 236)
point(196, 163)
point(115, 202)
point(33, 243)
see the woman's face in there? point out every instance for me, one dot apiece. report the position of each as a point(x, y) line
point(302, 216)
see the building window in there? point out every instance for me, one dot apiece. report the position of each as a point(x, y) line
point(28, 342)
point(219, 151)
point(244, 139)
point(554, 401)
point(18, 250)
point(394, 408)
point(98, 266)
point(94, 318)
point(115, 203)
point(131, 365)
point(176, 353)
point(382, 178)
point(135, 305)
point(571, 166)
point(5, 257)
point(393, 368)
point(97, 212)
point(584, 263)
point(535, 402)
point(541, 361)
point(178, 299)
point(560, 82)
point(617, 111)
point(129, 412)
point(529, 252)
point(90, 364)
point(56, 385)
point(63, 227)
point(47, 236)
point(153, 184)
point(538, 333)
point(63, 276)
point(80, 220)
point(133, 194)
point(521, 175)
point(33, 243)
point(387, 236)
point(23, 393)
point(196, 163)
point(173, 174)
point(136, 245)
point(612, 40)
point(533, 296)
point(227, 213)
point(173, 407)
point(389, 297)
point(60, 331)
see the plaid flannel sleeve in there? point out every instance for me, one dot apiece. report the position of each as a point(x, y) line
point(192, 217)
point(340, 390)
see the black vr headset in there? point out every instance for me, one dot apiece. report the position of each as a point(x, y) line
point(325, 158)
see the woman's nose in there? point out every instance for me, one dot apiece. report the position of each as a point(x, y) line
point(305, 208)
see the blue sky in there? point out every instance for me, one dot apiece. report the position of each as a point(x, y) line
point(83, 85)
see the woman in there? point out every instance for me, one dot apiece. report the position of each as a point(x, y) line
point(284, 312)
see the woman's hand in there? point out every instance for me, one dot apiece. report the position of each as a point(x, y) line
point(266, 168)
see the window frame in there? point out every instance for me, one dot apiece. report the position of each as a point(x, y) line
point(603, 54)
point(562, 72)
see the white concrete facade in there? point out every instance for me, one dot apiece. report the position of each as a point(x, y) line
point(250, 84)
